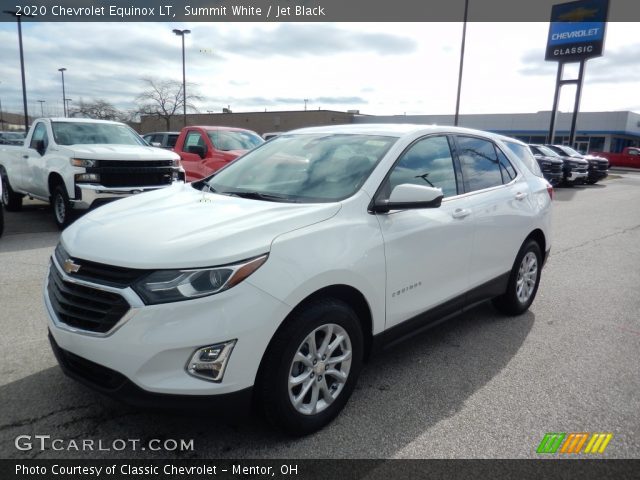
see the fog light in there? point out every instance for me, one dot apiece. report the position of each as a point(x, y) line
point(87, 177)
point(210, 362)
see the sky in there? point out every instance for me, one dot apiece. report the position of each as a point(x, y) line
point(376, 68)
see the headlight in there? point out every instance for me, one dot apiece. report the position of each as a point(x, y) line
point(177, 163)
point(82, 162)
point(166, 286)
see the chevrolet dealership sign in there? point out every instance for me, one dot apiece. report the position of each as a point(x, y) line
point(577, 30)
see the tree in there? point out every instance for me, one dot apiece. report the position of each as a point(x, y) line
point(164, 98)
point(98, 109)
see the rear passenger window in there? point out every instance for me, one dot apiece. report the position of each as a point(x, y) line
point(480, 165)
point(508, 172)
point(526, 157)
point(427, 162)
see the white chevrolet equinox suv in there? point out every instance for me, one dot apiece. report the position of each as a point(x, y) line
point(273, 280)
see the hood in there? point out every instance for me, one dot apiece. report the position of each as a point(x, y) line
point(181, 227)
point(121, 152)
point(579, 160)
point(235, 153)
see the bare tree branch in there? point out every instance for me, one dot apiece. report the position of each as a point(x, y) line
point(163, 98)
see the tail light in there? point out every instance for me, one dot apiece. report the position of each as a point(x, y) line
point(550, 190)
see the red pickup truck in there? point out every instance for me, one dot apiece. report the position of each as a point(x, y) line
point(203, 150)
point(630, 157)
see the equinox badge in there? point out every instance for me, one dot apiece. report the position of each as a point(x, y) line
point(70, 267)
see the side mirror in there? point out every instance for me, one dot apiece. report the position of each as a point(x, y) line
point(197, 149)
point(408, 196)
point(39, 147)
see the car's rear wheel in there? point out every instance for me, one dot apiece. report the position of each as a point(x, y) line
point(311, 367)
point(12, 201)
point(523, 281)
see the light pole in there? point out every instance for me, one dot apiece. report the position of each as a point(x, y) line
point(464, 36)
point(64, 97)
point(24, 83)
point(305, 104)
point(67, 100)
point(41, 102)
point(182, 33)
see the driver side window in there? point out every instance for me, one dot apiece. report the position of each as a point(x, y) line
point(428, 162)
point(39, 134)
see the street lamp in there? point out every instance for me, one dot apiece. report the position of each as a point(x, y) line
point(24, 83)
point(182, 33)
point(64, 97)
point(464, 36)
point(41, 102)
point(305, 104)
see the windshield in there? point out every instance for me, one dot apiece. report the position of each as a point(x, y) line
point(319, 167)
point(87, 133)
point(547, 151)
point(570, 151)
point(234, 139)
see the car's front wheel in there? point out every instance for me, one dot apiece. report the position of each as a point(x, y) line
point(311, 367)
point(523, 280)
point(62, 213)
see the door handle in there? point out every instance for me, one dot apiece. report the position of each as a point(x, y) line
point(461, 213)
point(521, 195)
point(25, 156)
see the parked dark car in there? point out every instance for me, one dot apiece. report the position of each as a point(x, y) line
point(161, 139)
point(575, 169)
point(550, 163)
point(11, 138)
point(598, 167)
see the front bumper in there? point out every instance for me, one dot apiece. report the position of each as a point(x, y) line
point(151, 345)
point(90, 195)
point(574, 176)
point(596, 175)
point(115, 385)
point(554, 178)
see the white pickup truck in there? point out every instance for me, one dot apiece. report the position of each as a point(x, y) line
point(77, 164)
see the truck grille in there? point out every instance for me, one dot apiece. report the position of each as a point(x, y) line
point(144, 173)
point(100, 273)
point(84, 307)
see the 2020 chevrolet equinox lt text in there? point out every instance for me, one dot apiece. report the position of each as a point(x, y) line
point(274, 279)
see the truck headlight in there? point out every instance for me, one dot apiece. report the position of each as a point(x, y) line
point(164, 286)
point(82, 162)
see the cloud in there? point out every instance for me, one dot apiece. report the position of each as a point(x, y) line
point(297, 40)
point(614, 67)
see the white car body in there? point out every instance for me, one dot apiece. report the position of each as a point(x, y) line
point(402, 263)
point(34, 174)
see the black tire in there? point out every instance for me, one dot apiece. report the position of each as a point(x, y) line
point(511, 303)
point(62, 213)
point(272, 386)
point(592, 182)
point(1, 220)
point(12, 200)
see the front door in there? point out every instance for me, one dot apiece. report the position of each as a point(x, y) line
point(427, 250)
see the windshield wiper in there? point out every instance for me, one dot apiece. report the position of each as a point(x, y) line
point(269, 197)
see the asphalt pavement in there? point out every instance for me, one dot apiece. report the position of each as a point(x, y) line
point(479, 386)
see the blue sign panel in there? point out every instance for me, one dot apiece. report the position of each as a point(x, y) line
point(577, 30)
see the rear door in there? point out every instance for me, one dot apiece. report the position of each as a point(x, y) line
point(500, 204)
point(427, 250)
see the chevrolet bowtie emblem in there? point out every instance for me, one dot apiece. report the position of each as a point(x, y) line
point(70, 267)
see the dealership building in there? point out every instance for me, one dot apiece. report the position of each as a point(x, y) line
point(596, 131)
